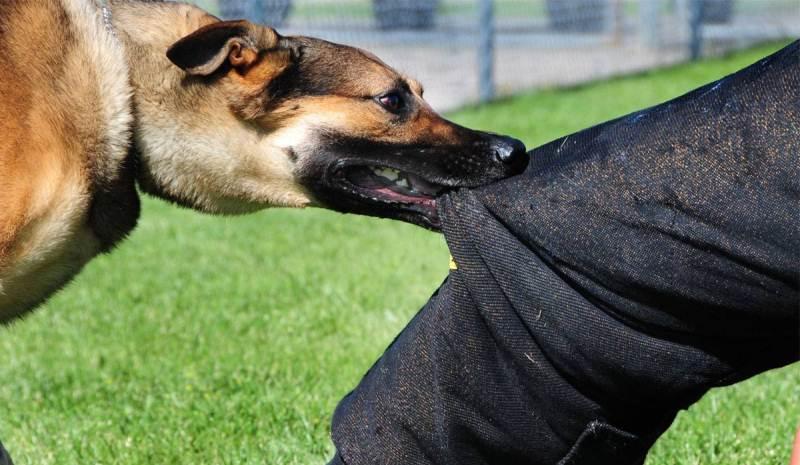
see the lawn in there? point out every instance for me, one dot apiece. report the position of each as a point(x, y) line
point(208, 340)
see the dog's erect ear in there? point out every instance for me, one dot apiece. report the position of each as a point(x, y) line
point(237, 43)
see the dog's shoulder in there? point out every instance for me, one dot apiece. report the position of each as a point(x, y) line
point(65, 85)
point(64, 141)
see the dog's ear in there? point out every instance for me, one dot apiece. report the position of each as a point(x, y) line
point(237, 43)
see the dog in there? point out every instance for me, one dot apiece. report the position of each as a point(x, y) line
point(224, 117)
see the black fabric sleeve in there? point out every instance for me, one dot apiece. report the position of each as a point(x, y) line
point(631, 268)
point(4, 458)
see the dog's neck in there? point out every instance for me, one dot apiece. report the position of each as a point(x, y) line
point(155, 23)
point(192, 148)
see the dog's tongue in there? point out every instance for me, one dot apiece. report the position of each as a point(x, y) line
point(394, 195)
point(405, 187)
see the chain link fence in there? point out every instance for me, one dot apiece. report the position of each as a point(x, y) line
point(466, 51)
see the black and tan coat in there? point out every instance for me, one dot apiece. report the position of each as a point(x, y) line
point(223, 117)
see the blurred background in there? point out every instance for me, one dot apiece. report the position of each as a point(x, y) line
point(468, 51)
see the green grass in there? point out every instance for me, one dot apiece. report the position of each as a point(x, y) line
point(230, 340)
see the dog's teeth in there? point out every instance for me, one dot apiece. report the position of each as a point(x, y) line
point(403, 183)
point(387, 173)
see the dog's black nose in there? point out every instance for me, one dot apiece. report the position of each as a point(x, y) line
point(510, 152)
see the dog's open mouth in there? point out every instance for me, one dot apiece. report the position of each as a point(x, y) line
point(391, 188)
point(393, 185)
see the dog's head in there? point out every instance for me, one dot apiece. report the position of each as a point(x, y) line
point(352, 134)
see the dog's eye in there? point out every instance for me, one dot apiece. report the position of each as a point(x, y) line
point(392, 101)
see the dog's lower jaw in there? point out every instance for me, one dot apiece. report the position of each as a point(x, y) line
point(423, 214)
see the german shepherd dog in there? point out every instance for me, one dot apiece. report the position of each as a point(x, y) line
point(224, 117)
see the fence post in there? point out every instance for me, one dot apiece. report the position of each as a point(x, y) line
point(696, 10)
point(486, 50)
point(650, 22)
